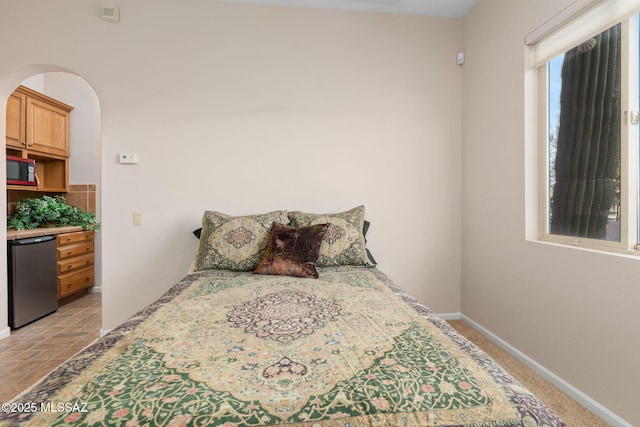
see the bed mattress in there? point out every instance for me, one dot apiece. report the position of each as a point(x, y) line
point(225, 348)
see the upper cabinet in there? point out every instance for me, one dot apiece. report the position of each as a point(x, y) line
point(16, 115)
point(38, 129)
point(37, 123)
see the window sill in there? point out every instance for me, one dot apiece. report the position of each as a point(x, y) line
point(633, 254)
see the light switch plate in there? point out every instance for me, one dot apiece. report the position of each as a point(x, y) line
point(137, 218)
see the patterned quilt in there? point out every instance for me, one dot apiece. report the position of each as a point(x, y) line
point(237, 349)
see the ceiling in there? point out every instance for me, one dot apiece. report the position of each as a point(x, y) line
point(445, 8)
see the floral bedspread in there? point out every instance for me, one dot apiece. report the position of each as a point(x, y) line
point(238, 349)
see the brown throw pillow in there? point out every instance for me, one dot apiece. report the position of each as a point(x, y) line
point(292, 251)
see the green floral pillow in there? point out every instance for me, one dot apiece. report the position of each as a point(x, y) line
point(292, 251)
point(234, 242)
point(343, 242)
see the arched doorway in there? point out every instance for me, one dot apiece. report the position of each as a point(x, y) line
point(85, 158)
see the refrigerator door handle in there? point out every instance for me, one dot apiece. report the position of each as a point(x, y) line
point(33, 240)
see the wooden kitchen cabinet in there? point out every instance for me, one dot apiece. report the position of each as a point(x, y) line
point(75, 264)
point(38, 128)
point(37, 123)
point(16, 116)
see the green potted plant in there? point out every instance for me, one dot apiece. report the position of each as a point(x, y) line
point(47, 211)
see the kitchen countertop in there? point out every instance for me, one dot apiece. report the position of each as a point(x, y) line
point(36, 232)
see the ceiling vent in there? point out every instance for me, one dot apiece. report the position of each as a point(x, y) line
point(110, 14)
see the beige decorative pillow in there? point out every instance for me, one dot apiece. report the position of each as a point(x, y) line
point(343, 242)
point(234, 242)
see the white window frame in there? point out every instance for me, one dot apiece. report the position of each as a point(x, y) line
point(587, 25)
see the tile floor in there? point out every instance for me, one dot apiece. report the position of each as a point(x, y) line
point(34, 350)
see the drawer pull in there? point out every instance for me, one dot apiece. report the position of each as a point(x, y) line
point(68, 239)
point(69, 285)
point(69, 253)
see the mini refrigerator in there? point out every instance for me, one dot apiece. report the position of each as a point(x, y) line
point(32, 279)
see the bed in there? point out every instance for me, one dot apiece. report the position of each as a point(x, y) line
point(340, 346)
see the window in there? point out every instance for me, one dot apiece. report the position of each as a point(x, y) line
point(589, 136)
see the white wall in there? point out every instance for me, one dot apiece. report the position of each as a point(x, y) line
point(246, 109)
point(573, 311)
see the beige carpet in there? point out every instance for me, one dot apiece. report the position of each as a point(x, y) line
point(571, 412)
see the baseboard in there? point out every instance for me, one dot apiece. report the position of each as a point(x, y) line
point(577, 395)
point(449, 316)
point(104, 332)
point(95, 289)
point(5, 332)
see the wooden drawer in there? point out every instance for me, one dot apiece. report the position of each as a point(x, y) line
point(75, 263)
point(78, 236)
point(77, 249)
point(72, 282)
